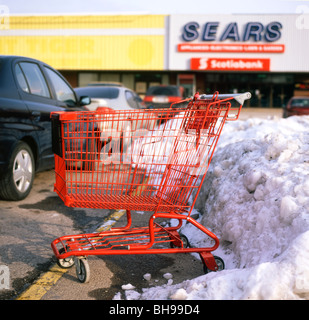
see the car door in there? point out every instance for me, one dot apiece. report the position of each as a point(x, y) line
point(39, 98)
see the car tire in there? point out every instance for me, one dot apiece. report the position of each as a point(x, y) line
point(17, 181)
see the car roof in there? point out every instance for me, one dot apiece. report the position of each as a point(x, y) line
point(103, 87)
point(105, 84)
point(165, 85)
point(169, 90)
point(111, 92)
point(11, 58)
point(300, 97)
point(14, 57)
point(96, 88)
point(7, 81)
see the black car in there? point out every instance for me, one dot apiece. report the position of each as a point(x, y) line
point(29, 91)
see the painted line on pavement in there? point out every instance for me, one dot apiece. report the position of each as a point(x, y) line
point(109, 221)
point(37, 290)
point(47, 280)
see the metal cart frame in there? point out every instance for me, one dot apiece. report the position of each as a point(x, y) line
point(149, 160)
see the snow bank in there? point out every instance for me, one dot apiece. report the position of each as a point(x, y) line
point(255, 198)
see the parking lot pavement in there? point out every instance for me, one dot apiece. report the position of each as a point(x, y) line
point(28, 227)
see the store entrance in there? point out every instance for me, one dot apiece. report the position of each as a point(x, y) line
point(187, 81)
point(272, 95)
point(268, 90)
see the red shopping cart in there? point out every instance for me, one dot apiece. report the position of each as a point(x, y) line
point(140, 160)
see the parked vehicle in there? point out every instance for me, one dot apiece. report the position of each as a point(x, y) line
point(29, 91)
point(113, 97)
point(296, 106)
point(162, 96)
point(107, 98)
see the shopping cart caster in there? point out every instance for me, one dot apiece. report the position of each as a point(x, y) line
point(184, 240)
point(65, 263)
point(219, 262)
point(82, 269)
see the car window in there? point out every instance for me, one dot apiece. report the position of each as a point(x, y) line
point(137, 98)
point(21, 79)
point(131, 99)
point(35, 81)
point(300, 102)
point(99, 92)
point(63, 91)
point(162, 91)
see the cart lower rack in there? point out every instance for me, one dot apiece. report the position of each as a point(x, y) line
point(146, 160)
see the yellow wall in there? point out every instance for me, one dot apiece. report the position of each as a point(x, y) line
point(132, 42)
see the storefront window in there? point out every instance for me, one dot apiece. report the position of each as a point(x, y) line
point(268, 90)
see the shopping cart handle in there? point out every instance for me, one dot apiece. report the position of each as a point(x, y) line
point(239, 97)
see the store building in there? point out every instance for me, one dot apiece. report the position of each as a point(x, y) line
point(264, 54)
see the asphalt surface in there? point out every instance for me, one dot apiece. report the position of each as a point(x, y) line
point(27, 229)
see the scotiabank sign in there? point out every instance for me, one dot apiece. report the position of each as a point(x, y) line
point(230, 64)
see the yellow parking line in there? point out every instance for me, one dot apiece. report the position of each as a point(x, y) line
point(114, 216)
point(40, 287)
point(43, 284)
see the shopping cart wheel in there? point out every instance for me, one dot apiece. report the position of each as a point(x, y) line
point(219, 262)
point(65, 263)
point(82, 269)
point(185, 242)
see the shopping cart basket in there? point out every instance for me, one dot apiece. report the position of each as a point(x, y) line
point(140, 160)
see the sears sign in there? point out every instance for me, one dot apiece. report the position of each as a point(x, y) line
point(252, 37)
point(238, 42)
point(253, 31)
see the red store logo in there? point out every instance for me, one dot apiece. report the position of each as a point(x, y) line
point(230, 64)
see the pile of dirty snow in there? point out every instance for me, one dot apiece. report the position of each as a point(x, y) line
point(255, 198)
